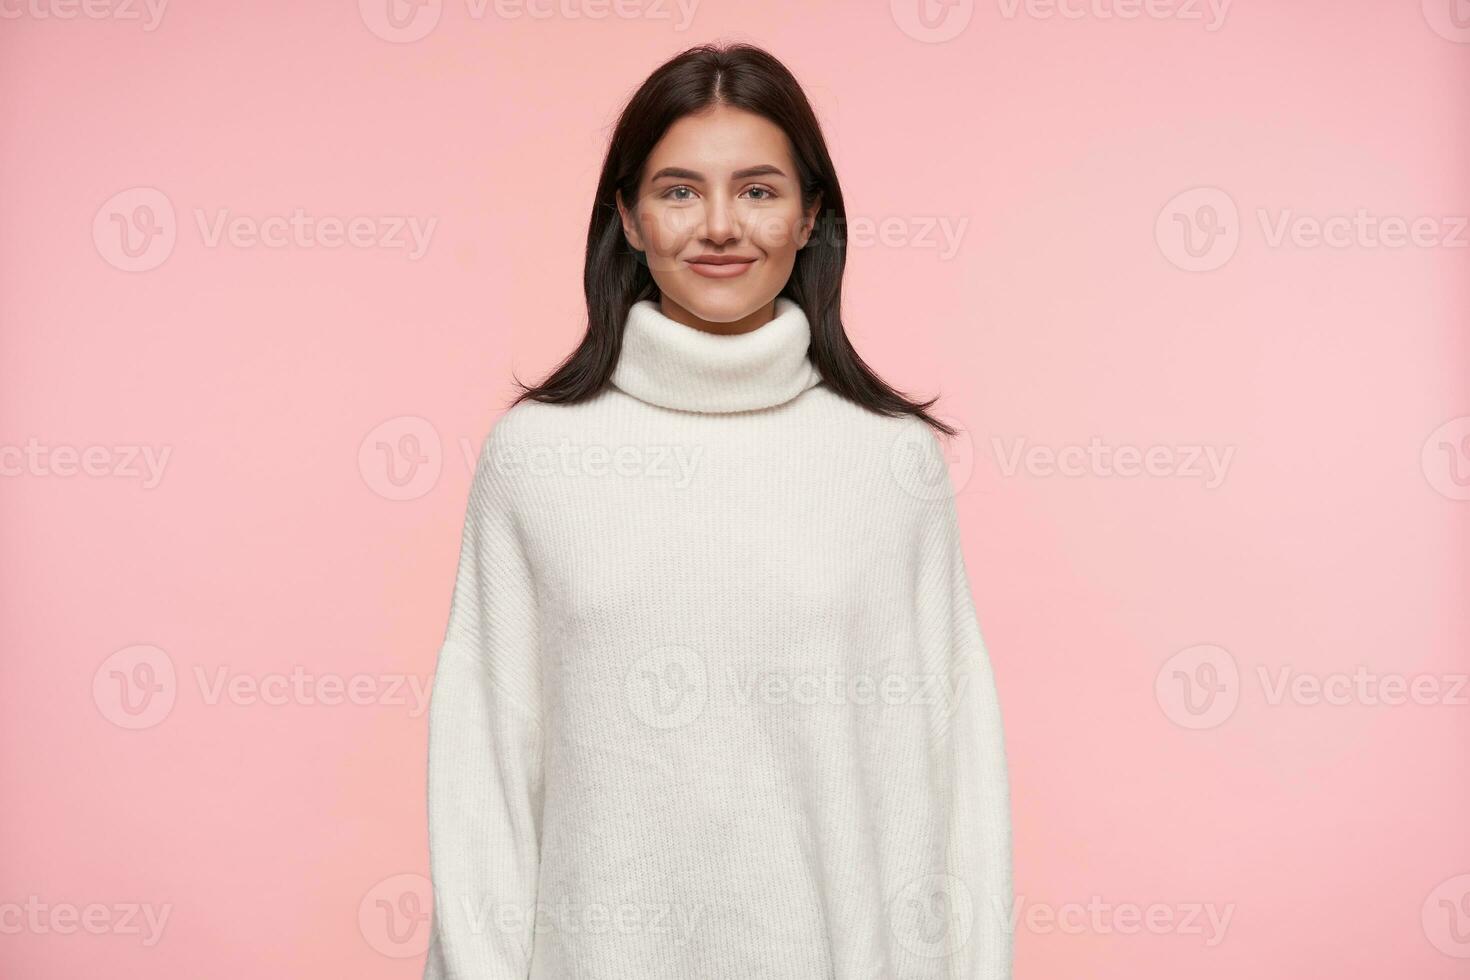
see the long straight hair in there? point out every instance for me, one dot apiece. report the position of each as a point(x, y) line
point(615, 275)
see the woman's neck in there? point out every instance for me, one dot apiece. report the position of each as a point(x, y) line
point(666, 362)
point(753, 320)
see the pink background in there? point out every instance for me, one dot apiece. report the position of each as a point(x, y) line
point(285, 836)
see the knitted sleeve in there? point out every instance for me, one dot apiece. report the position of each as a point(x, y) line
point(975, 891)
point(484, 768)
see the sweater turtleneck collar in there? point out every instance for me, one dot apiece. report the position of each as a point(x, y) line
point(667, 363)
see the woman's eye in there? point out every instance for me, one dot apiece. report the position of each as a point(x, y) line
point(683, 192)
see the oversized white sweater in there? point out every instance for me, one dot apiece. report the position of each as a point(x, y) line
point(713, 703)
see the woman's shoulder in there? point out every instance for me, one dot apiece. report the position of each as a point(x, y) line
point(531, 420)
point(528, 428)
point(861, 424)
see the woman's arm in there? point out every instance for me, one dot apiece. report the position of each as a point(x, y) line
point(977, 884)
point(484, 776)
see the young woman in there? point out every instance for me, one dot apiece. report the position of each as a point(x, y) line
point(712, 701)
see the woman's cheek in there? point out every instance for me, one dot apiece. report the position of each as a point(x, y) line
point(775, 232)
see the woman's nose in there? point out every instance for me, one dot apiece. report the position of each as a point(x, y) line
point(719, 220)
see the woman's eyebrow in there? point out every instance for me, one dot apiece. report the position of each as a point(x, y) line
point(681, 173)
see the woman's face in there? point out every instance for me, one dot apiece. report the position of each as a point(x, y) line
point(719, 219)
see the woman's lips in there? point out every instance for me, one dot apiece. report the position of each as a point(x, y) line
point(723, 270)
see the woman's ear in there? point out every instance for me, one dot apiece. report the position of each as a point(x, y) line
point(630, 226)
point(809, 221)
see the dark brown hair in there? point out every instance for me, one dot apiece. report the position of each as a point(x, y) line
point(615, 275)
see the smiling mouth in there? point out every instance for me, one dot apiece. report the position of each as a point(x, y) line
point(720, 266)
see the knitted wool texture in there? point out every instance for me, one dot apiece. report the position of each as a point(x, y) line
point(713, 701)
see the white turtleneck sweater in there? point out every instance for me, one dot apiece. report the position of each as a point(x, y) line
point(712, 702)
